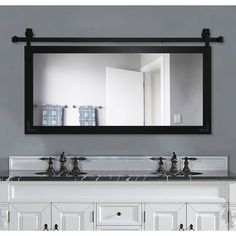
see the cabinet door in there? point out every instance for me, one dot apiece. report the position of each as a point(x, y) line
point(72, 216)
point(232, 216)
point(207, 216)
point(30, 216)
point(165, 216)
point(3, 216)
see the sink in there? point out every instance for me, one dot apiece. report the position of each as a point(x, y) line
point(191, 173)
point(44, 173)
point(179, 174)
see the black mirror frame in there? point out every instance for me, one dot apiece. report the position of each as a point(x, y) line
point(31, 129)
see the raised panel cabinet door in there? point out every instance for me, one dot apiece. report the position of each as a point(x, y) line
point(165, 216)
point(3, 216)
point(30, 216)
point(207, 216)
point(73, 216)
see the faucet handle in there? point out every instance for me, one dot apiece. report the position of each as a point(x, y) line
point(157, 158)
point(47, 158)
point(189, 158)
point(78, 158)
point(62, 157)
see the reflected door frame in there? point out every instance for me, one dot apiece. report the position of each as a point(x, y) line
point(163, 64)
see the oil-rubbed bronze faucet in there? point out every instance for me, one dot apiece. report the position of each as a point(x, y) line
point(63, 170)
point(174, 169)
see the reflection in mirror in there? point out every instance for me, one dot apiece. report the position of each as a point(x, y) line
point(116, 89)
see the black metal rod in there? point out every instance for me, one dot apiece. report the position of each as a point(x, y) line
point(29, 38)
point(16, 39)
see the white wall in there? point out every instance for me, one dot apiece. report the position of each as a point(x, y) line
point(149, 57)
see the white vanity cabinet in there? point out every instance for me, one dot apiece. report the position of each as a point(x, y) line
point(39, 205)
point(186, 216)
point(116, 216)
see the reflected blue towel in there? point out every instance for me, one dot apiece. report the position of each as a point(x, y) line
point(52, 115)
point(87, 116)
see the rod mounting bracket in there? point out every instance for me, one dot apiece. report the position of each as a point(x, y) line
point(29, 35)
point(206, 36)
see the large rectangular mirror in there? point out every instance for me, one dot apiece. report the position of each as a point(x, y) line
point(125, 89)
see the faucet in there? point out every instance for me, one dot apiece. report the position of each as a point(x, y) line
point(63, 170)
point(174, 169)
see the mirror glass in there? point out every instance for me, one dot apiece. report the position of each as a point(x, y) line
point(118, 89)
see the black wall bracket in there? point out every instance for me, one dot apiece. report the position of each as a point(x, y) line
point(29, 38)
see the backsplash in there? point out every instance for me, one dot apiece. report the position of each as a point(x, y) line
point(119, 163)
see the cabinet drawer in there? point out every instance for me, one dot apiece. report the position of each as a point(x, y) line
point(119, 214)
point(119, 228)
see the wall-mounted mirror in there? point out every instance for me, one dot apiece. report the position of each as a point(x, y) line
point(97, 89)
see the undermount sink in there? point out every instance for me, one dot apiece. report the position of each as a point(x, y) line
point(44, 173)
point(178, 174)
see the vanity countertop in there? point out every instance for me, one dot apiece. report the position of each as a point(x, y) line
point(117, 176)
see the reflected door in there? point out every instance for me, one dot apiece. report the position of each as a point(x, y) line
point(124, 97)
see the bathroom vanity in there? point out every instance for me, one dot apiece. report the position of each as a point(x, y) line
point(127, 199)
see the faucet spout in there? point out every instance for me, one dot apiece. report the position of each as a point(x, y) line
point(174, 169)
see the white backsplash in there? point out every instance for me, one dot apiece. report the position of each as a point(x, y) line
point(119, 163)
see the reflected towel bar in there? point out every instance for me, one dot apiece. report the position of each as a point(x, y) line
point(66, 106)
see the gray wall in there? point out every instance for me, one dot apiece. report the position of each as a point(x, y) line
point(122, 22)
point(186, 94)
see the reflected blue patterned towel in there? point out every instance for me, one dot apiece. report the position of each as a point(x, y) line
point(52, 115)
point(87, 116)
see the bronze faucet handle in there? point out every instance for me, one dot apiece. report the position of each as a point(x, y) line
point(157, 158)
point(189, 158)
point(78, 158)
point(47, 158)
point(63, 157)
